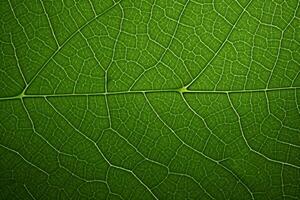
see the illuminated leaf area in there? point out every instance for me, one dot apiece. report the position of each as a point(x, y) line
point(150, 99)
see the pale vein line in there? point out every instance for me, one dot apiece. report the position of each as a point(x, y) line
point(280, 46)
point(193, 179)
point(93, 7)
point(35, 166)
point(246, 142)
point(296, 101)
point(108, 111)
point(59, 152)
point(298, 74)
point(92, 50)
point(166, 49)
point(54, 148)
point(99, 150)
point(50, 24)
point(144, 91)
point(17, 60)
point(195, 150)
point(126, 93)
point(114, 49)
point(27, 190)
point(65, 42)
point(279, 120)
point(202, 119)
point(221, 47)
point(282, 181)
point(15, 16)
point(24, 159)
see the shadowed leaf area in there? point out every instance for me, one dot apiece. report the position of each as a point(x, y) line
point(150, 99)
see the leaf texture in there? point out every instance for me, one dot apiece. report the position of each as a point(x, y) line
point(150, 99)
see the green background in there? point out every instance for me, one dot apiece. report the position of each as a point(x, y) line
point(150, 99)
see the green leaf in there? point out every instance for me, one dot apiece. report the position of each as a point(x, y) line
point(150, 99)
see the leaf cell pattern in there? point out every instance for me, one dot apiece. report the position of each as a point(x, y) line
point(150, 99)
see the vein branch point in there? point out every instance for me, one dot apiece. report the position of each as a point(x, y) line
point(21, 95)
point(183, 89)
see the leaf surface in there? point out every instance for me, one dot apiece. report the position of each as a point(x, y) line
point(158, 99)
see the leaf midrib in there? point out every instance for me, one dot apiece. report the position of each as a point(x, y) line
point(180, 90)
